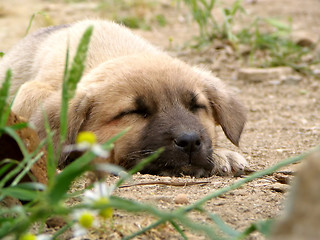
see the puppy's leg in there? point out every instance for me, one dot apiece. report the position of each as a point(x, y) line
point(30, 96)
point(228, 162)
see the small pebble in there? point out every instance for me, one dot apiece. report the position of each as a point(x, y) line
point(292, 79)
point(181, 199)
point(55, 222)
point(263, 74)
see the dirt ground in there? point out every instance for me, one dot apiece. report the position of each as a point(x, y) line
point(283, 119)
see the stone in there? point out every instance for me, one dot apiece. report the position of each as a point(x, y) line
point(278, 187)
point(9, 202)
point(291, 79)
point(181, 199)
point(257, 75)
point(301, 219)
point(305, 39)
point(55, 222)
point(10, 149)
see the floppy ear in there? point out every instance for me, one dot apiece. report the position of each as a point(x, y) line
point(78, 112)
point(228, 112)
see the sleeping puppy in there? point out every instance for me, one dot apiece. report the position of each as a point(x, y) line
point(127, 82)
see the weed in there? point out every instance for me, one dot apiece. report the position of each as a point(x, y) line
point(161, 20)
point(133, 22)
point(276, 45)
point(279, 49)
point(4, 94)
point(209, 26)
point(135, 16)
point(47, 20)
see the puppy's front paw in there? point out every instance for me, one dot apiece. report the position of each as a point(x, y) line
point(228, 162)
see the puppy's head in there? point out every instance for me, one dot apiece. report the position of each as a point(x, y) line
point(166, 103)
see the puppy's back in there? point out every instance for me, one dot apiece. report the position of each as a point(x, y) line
point(21, 57)
point(41, 55)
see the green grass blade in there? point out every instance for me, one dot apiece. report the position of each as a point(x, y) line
point(9, 175)
point(199, 227)
point(279, 25)
point(72, 78)
point(27, 157)
point(45, 15)
point(144, 162)
point(63, 229)
point(24, 191)
point(26, 169)
point(132, 206)
point(179, 230)
point(109, 168)
point(223, 226)
point(11, 132)
point(138, 167)
point(63, 180)
point(19, 126)
point(145, 229)
point(51, 157)
point(108, 145)
point(4, 94)
point(64, 101)
point(264, 227)
point(7, 164)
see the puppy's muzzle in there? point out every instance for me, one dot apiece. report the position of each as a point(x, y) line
point(188, 143)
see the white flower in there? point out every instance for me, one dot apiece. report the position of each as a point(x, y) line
point(44, 237)
point(99, 197)
point(30, 236)
point(100, 189)
point(87, 141)
point(85, 219)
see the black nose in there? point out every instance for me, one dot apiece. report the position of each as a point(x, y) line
point(188, 142)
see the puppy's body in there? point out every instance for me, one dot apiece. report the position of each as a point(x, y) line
point(128, 82)
point(41, 56)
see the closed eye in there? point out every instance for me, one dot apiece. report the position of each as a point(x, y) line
point(140, 109)
point(195, 105)
point(142, 112)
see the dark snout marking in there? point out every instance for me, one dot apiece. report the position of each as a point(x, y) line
point(188, 142)
point(173, 123)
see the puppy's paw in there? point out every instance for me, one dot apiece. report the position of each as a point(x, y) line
point(228, 162)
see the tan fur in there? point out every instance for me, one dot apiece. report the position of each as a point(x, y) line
point(119, 66)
